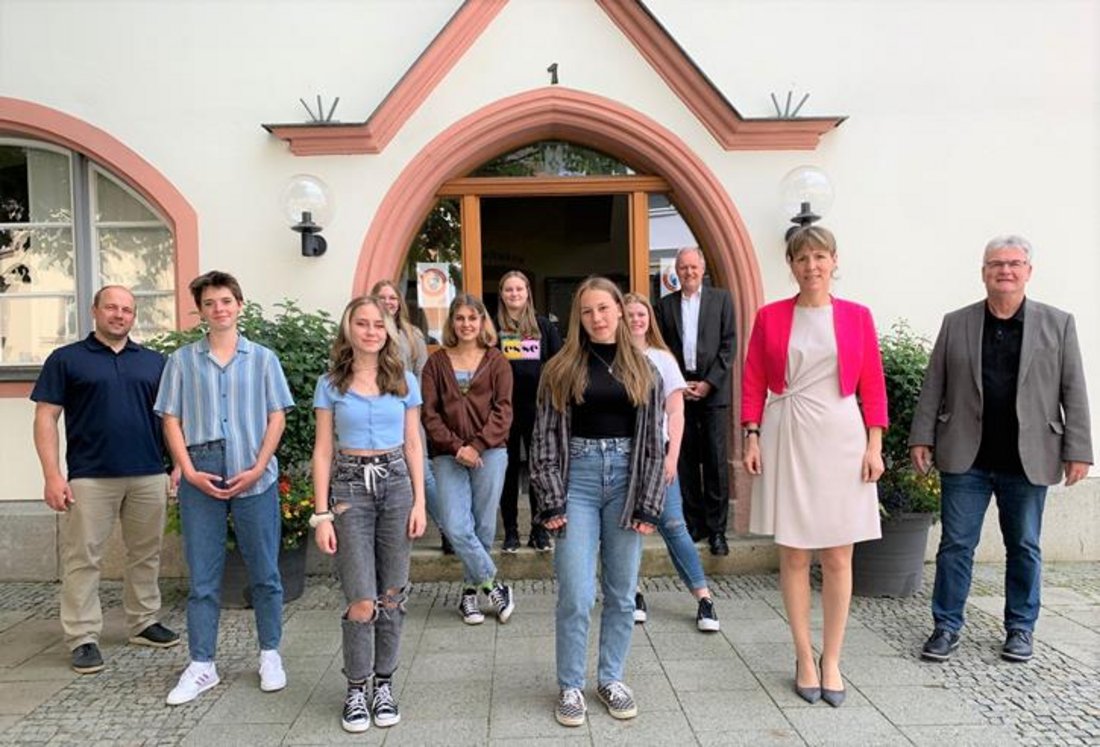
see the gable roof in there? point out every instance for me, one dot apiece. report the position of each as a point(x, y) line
point(637, 23)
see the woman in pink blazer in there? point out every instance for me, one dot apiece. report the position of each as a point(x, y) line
point(813, 404)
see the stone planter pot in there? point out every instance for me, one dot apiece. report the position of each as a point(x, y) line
point(894, 565)
point(236, 593)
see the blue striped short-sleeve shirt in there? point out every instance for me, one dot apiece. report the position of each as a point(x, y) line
point(230, 402)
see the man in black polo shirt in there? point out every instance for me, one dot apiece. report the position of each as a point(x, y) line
point(1005, 410)
point(106, 385)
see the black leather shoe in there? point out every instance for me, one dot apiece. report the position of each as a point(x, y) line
point(940, 645)
point(1017, 646)
point(87, 659)
point(511, 542)
point(157, 636)
point(718, 545)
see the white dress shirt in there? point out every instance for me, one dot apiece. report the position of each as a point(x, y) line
point(689, 309)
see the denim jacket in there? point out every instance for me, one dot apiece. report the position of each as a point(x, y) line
point(549, 461)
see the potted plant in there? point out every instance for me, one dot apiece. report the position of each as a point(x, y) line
point(301, 340)
point(908, 501)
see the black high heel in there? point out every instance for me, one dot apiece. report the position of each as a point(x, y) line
point(808, 694)
point(833, 697)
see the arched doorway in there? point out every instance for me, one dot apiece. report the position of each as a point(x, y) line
point(558, 113)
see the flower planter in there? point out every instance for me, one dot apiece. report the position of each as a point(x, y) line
point(236, 593)
point(894, 565)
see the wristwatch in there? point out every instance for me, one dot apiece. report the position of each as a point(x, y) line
point(746, 432)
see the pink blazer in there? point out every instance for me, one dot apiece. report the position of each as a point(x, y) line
point(858, 359)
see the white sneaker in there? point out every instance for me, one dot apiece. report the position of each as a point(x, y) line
point(272, 675)
point(199, 677)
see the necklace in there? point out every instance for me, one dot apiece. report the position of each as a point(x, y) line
point(610, 366)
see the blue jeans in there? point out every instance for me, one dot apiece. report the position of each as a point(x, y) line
point(370, 498)
point(258, 528)
point(681, 548)
point(1020, 510)
point(466, 507)
point(599, 470)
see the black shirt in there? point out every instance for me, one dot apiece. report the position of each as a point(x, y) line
point(607, 411)
point(1001, 342)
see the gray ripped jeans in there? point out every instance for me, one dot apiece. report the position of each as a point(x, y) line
point(371, 498)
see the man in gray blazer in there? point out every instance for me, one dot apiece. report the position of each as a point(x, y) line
point(697, 325)
point(1003, 411)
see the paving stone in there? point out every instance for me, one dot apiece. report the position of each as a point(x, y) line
point(960, 736)
point(733, 710)
point(823, 725)
point(17, 698)
point(217, 735)
point(780, 686)
point(25, 639)
point(692, 646)
point(649, 727)
point(920, 705)
point(863, 670)
point(787, 737)
point(701, 676)
point(758, 631)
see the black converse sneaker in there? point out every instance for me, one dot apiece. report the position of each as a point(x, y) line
point(571, 707)
point(356, 716)
point(468, 608)
point(384, 706)
point(619, 700)
point(707, 619)
point(640, 610)
point(501, 597)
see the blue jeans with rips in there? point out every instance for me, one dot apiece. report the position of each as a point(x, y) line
point(681, 548)
point(1020, 510)
point(599, 472)
point(370, 499)
point(258, 529)
point(466, 507)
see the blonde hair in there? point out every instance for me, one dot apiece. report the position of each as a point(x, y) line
point(526, 325)
point(391, 371)
point(486, 338)
point(653, 337)
point(810, 237)
point(565, 377)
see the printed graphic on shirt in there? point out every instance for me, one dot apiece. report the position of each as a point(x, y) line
point(516, 348)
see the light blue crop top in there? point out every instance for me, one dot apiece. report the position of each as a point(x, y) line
point(376, 422)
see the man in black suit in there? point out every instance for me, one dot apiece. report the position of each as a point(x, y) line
point(697, 324)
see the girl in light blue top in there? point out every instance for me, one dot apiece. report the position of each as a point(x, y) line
point(368, 482)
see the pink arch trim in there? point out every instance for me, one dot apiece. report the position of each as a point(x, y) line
point(598, 122)
point(25, 118)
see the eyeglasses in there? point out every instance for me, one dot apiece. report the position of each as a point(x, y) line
point(1006, 264)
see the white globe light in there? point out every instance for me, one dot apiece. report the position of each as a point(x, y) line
point(307, 194)
point(806, 184)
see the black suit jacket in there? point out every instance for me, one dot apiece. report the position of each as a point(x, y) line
point(715, 344)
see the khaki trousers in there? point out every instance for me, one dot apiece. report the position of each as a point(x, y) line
point(139, 503)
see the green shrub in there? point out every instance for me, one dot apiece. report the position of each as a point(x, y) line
point(904, 360)
point(302, 341)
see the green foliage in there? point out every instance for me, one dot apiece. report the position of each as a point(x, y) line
point(301, 340)
point(904, 360)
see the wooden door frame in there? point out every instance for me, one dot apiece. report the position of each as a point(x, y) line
point(470, 190)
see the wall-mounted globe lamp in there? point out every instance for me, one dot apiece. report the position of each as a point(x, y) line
point(807, 194)
point(307, 206)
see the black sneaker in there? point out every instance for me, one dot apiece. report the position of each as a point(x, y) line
point(571, 707)
point(940, 645)
point(445, 545)
point(501, 598)
point(640, 610)
point(356, 716)
point(511, 542)
point(469, 609)
point(619, 700)
point(706, 619)
point(384, 706)
point(87, 659)
point(157, 636)
point(539, 540)
point(1018, 646)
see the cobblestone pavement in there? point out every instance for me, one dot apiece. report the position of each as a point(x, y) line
point(495, 684)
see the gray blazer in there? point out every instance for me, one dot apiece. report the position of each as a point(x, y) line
point(1051, 402)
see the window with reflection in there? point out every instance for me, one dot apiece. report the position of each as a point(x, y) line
point(668, 234)
point(554, 158)
point(433, 268)
point(68, 227)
